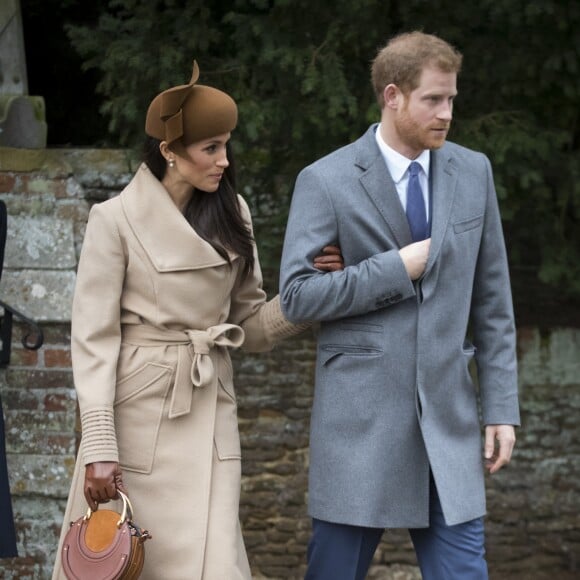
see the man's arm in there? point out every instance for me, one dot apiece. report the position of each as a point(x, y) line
point(494, 337)
point(310, 295)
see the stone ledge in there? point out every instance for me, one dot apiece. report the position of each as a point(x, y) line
point(28, 160)
point(96, 168)
point(109, 169)
point(12, 159)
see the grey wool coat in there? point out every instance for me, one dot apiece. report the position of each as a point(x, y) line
point(393, 396)
point(155, 312)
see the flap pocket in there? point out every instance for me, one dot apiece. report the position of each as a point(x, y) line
point(466, 225)
point(329, 352)
point(140, 399)
point(227, 437)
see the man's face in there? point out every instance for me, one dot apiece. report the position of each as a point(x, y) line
point(423, 118)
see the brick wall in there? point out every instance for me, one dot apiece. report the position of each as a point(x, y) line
point(533, 524)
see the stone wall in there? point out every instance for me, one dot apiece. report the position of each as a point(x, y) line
point(533, 524)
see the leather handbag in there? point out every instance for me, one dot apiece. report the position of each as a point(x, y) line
point(104, 545)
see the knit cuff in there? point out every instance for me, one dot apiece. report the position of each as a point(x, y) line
point(277, 325)
point(99, 441)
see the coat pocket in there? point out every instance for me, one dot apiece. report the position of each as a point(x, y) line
point(227, 437)
point(329, 352)
point(139, 403)
point(466, 225)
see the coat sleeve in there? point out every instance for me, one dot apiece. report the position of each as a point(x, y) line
point(309, 295)
point(96, 332)
point(262, 320)
point(492, 321)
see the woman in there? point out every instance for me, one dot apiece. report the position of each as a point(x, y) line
point(168, 279)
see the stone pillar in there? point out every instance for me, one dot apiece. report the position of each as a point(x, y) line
point(13, 80)
point(22, 117)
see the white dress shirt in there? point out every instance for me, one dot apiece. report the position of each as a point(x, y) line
point(398, 166)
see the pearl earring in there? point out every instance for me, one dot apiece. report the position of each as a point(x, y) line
point(171, 163)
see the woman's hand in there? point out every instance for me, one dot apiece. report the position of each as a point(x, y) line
point(102, 480)
point(330, 260)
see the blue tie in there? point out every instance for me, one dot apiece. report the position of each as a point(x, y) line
point(416, 213)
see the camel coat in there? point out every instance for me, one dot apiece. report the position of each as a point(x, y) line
point(154, 312)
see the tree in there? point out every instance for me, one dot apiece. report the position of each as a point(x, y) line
point(521, 89)
point(300, 73)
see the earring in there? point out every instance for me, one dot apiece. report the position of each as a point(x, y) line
point(172, 163)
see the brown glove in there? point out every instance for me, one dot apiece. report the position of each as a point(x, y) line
point(102, 480)
point(330, 260)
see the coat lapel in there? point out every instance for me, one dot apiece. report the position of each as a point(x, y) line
point(443, 187)
point(166, 236)
point(379, 185)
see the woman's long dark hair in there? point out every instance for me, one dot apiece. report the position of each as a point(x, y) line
point(215, 216)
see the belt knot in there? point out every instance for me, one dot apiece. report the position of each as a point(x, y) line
point(202, 371)
point(201, 341)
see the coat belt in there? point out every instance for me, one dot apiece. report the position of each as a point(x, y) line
point(193, 346)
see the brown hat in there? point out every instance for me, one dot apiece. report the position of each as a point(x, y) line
point(188, 113)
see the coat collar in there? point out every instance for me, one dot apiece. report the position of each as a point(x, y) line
point(166, 236)
point(380, 186)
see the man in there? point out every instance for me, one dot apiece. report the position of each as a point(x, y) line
point(395, 433)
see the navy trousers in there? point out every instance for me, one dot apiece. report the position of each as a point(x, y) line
point(343, 552)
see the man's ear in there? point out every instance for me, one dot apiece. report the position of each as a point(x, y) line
point(392, 96)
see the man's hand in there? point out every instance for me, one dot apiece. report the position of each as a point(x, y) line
point(414, 257)
point(499, 444)
point(330, 260)
point(102, 480)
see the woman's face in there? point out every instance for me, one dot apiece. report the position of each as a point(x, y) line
point(206, 163)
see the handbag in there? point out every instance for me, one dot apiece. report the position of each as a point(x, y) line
point(104, 545)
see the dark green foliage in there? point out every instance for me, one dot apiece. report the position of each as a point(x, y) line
point(299, 70)
point(520, 105)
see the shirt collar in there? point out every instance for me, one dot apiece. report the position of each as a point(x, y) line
point(398, 164)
